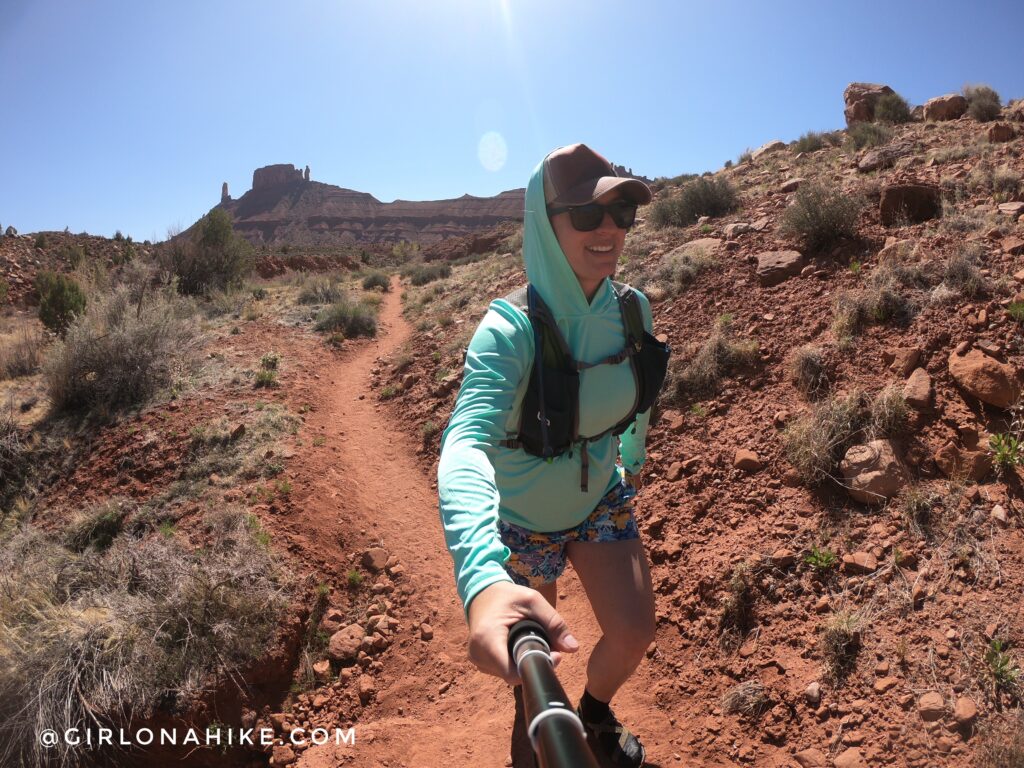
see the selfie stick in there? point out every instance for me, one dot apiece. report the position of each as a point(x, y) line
point(555, 729)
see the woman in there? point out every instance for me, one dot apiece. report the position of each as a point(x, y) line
point(512, 511)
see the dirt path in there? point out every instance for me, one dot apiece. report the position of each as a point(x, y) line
point(367, 480)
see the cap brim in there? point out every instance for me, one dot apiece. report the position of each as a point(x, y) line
point(589, 191)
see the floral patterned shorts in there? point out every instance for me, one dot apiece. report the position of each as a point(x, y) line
point(539, 558)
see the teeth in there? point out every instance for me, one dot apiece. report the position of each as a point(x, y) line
point(603, 249)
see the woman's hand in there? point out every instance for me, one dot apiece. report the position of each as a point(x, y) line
point(494, 610)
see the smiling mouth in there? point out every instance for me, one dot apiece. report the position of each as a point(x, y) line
point(600, 249)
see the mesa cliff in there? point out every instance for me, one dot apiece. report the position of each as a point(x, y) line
point(285, 206)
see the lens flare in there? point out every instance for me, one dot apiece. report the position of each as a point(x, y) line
point(492, 151)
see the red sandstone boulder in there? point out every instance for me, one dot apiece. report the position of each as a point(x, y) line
point(912, 202)
point(985, 378)
point(860, 99)
point(948, 107)
point(872, 473)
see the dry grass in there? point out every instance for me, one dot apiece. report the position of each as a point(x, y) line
point(1001, 742)
point(681, 268)
point(23, 355)
point(883, 299)
point(111, 635)
point(808, 370)
point(815, 443)
point(719, 356)
point(888, 413)
point(839, 645)
point(737, 608)
point(121, 352)
point(749, 698)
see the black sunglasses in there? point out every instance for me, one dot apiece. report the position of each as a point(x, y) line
point(586, 218)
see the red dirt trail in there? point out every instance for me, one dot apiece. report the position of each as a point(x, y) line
point(368, 480)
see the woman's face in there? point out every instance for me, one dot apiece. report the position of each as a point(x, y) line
point(592, 255)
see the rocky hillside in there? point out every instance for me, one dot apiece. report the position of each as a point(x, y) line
point(285, 206)
point(833, 496)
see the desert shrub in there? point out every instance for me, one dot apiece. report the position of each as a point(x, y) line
point(681, 268)
point(40, 241)
point(60, 300)
point(881, 303)
point(719, 356)
point(14, 454)
point(99, 526)
point(1001, 742)
point(701, 197)
point(810, 141)
point(113, 633)
point(861, 135)
point(808, 370)
point(815, 443)
point(73, 254)
point(983, 103)
point(737, 607)
point(120, 352)
point(840, 644)
point(320, 289)
point(428, 273)
point(350, 318)
point(4, 290)
point(821, 216)
point(749, 698)
point(377, 280)
point(22, 356)
point(892, 108)
point(215, 258)
point(888, 412)
point(962, 274)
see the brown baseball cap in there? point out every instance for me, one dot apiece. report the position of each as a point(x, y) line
point(576, 175)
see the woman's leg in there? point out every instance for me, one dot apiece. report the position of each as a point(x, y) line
point(617, 580)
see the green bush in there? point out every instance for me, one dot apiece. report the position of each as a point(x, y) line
point(860, 135)
point(4, 289)
point(820, 216)
point(983, 103)
point(320, 289)
point(60, 300)
point(350, 318)
point(40, 240)
point(120, 351)
point(215, 259)
point(810, 141)
point(376, 280)
point(892, 108)
point(428, 273)
point(701, 197)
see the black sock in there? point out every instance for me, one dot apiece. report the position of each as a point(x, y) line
point(592, 710)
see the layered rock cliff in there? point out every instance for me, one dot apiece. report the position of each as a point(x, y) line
point(284, 206)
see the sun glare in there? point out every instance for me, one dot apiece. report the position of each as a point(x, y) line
point(492, 151)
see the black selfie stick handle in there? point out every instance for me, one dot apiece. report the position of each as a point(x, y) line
point(555, 729)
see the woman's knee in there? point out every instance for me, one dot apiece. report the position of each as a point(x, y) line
point(633, 635)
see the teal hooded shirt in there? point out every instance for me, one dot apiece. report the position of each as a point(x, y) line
point(479, 480)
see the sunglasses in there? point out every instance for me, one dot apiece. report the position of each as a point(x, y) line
point(586, 218)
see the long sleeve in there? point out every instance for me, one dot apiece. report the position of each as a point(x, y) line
point(633, 442)
point(497, 360)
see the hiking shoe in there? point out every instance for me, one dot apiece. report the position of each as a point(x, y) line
point(615, 741)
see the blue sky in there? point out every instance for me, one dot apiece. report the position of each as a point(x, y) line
point(129, 115)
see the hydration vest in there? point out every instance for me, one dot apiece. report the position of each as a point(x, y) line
point(550, 416)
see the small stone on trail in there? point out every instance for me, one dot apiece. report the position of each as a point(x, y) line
point(745, 460)
point(965, 712)
point(374, 559)
point(931, 706)
point(426, 632)
point(812, 695)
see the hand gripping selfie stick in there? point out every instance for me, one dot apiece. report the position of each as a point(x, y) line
point(555, 729)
